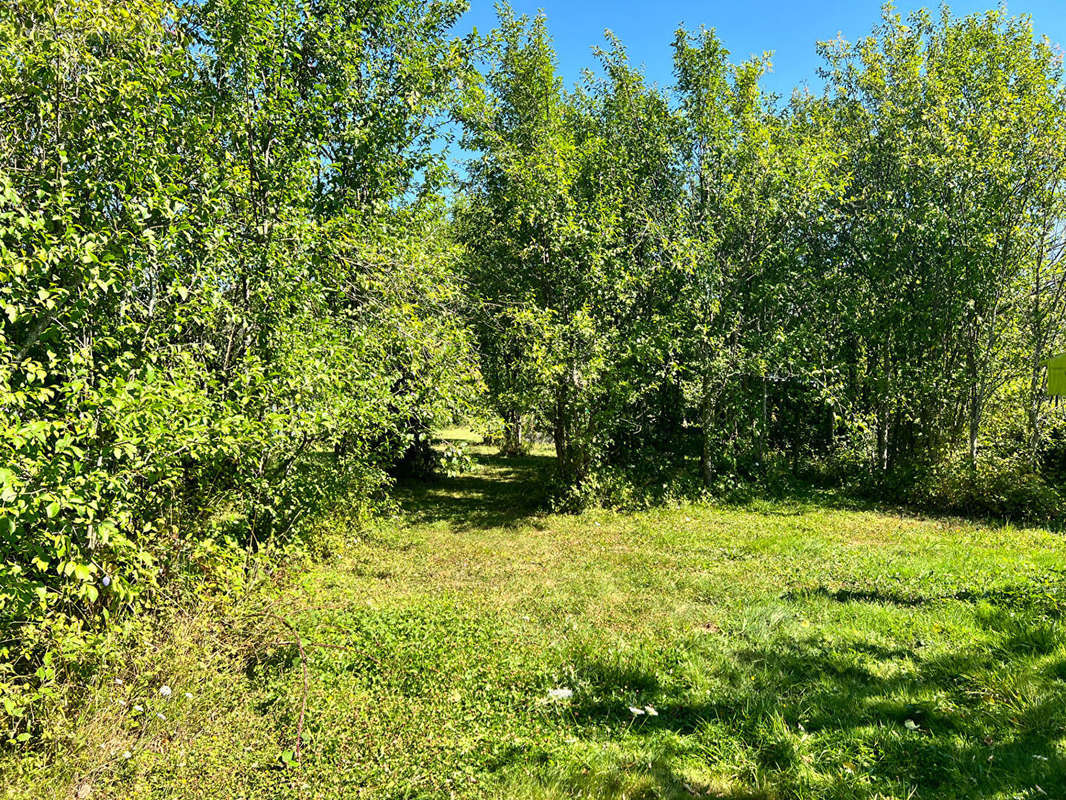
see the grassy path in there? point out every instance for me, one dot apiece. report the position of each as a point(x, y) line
point(475, 647)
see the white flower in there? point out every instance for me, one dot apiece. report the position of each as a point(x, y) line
point(160, 715)
point(636, 712)
point(188, 695)
point(164, 691)
point(127, 755)
point(560, 694)
point(118, 681)
point(138, 707)
point(650, 711)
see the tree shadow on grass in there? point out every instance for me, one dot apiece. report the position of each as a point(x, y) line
point(500, 492)
point(1043, 593)
point(977, 722)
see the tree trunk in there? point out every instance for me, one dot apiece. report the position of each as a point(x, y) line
point(562, 434)
point(707, 423)
point(830, 428)
point(764, 432)
point(974, 417)
point(881, 460)
point(1036, 403)
point(512, 434)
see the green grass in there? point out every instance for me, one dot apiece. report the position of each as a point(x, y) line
point(789, 650)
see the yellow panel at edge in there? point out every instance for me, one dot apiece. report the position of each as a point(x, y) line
point(1056, 382)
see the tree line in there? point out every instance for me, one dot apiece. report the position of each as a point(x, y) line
point(707, 283)
point(239, 281)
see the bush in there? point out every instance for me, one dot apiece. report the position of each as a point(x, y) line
point(204, 338)
point(1003, 488)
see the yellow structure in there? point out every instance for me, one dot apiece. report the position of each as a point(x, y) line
point(1056, 375)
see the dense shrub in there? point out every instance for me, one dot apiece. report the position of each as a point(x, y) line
point(226, 293)
point(1003, 488)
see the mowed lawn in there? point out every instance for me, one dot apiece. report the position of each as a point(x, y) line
point(475, 646)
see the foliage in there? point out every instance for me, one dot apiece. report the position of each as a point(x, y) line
point(227, 296)
point(714, 278)
point(557, 258)
point(236, 287)
point(1002, 488)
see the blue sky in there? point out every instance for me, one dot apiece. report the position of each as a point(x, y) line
point(789, 28)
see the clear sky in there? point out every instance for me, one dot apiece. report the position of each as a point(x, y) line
point(789, 28)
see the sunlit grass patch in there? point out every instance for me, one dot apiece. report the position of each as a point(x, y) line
point(476, 646)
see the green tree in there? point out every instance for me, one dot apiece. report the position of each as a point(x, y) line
point(946, 124)
point(227, 295)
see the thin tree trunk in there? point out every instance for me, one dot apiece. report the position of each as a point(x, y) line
point(1036, 403)
point(561, 434)
point(764, 432)
point(707, 423)
point(974, 417)
point(881, 460)
point(512, 434)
